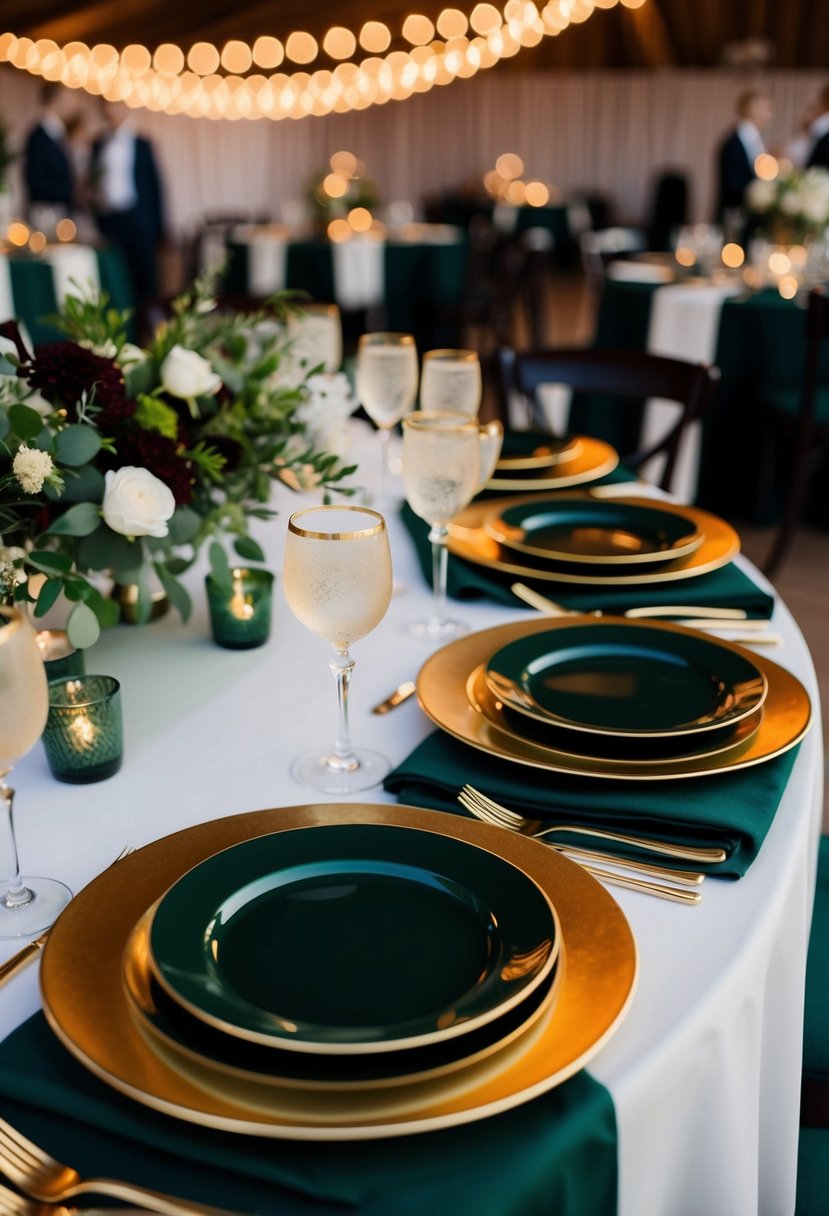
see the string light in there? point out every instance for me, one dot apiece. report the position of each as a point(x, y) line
point(169, 80)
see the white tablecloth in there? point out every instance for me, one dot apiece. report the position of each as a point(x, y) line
point(704, 1072)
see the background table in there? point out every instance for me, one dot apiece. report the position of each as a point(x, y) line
point(704, 1073)
point(34, 295)
point(759, 350)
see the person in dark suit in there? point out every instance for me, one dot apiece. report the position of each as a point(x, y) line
point(47, 167)
point(819, 131)
point(125, 186)
point(738, 152)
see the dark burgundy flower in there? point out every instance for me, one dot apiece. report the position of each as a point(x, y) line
point(229, 448)
point(163, 458)
point(63, 371)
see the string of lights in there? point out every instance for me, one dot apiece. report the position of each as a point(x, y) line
point(243, 81)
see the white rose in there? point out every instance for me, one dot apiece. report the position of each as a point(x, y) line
point(106, 349)
point(760, 195)
point(186, 374)
point(129, 354)
point(136, 503)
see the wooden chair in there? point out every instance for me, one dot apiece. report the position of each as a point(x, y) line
point(622, 374)
point(804, 418)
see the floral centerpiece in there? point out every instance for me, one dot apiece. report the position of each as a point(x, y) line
point(121, 461)
point(791, 208)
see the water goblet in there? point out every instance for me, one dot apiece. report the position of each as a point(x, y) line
point(451, 380)
point(441, 471)
point(28, 905)
point(338, 581)
point(386, 381)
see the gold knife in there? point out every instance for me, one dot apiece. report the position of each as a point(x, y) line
point(400, 694)
point(22, 958)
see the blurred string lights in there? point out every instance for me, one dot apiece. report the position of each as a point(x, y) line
point(244, 81)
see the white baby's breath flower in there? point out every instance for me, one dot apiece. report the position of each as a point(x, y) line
point(32, 468)
point(325, 412)
point(761, 195)
point(106, 350)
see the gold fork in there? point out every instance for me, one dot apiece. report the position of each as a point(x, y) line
point(42, 1177)
point(643, 885)
point(12, 1204)
point(539, 828)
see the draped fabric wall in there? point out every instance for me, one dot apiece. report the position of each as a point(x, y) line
point(609, 131)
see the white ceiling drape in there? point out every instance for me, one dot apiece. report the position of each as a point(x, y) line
point(609, 131)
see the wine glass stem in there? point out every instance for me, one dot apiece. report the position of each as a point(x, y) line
point(384, 435)
point(440, 556)
point(343, 759)
point(17, 894)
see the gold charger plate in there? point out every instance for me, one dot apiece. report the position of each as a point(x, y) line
point(469, 539)
point(278, 1094)
point(442, 693)
point(485, 703)
point(593, 459)
point(545, 456)
point(86, 1004)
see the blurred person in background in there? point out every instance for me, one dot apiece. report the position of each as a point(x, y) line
point(126, 193)
point(739, 150)
point(47, 164)
point(819, 131)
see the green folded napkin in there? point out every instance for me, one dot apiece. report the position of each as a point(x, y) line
point(728, 587)
point(555, 1154)
point(731, 810)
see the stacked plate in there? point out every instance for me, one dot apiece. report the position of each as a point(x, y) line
point(532, 461)
point(573, 538)
point(613, 697)
point(336, 972)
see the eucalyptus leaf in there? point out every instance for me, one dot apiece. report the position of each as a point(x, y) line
point(183, 526)
point(219, 566)
point(176, 592)
point(85, 484)
point(82, 627)
point(49, 593)
point(249, 549)
point(80, 520)
point(25, 422)
point(139, 377)
point(104, 549)
point(5, 425)
point(50, 562)
point(77, 444)
point(106, 610)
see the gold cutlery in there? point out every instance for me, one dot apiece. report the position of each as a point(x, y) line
point(43, 1178)
point(647, 886)
point(472, 798)
point(699, 613)
point(26, 954)
point(12, 1204)
point(685, 878)
point(400, 694)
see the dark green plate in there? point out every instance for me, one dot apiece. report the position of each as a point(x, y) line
point(536, 450)
point(352, 939)
point(611, 534)
point(164, 1020)
point(626, 678)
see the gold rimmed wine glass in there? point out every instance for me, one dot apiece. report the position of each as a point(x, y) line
point(338, 581)
point(451, 380)
point(28, 905)
point(386, 381)
point(441, 471)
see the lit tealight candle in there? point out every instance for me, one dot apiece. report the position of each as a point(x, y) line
point(84, 735)
point(240, 614)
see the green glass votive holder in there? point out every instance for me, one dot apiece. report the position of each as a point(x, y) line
point(60, 658)
point(240, 611)
point(84, 737)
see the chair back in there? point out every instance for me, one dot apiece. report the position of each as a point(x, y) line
point(628, 376)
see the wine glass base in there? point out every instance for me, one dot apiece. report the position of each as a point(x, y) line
point(312, 769)
point(41, 912)
point(437, 631)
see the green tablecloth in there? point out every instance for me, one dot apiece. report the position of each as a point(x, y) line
point(33, 290)
point(424, 283)
point(733, 811)
point(556, 1154)
point(727, 588)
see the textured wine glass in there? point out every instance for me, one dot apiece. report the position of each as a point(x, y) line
point(451, 380)
point(338, 581)
point(28, 905)
point(441, 471)
point(386, 381)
